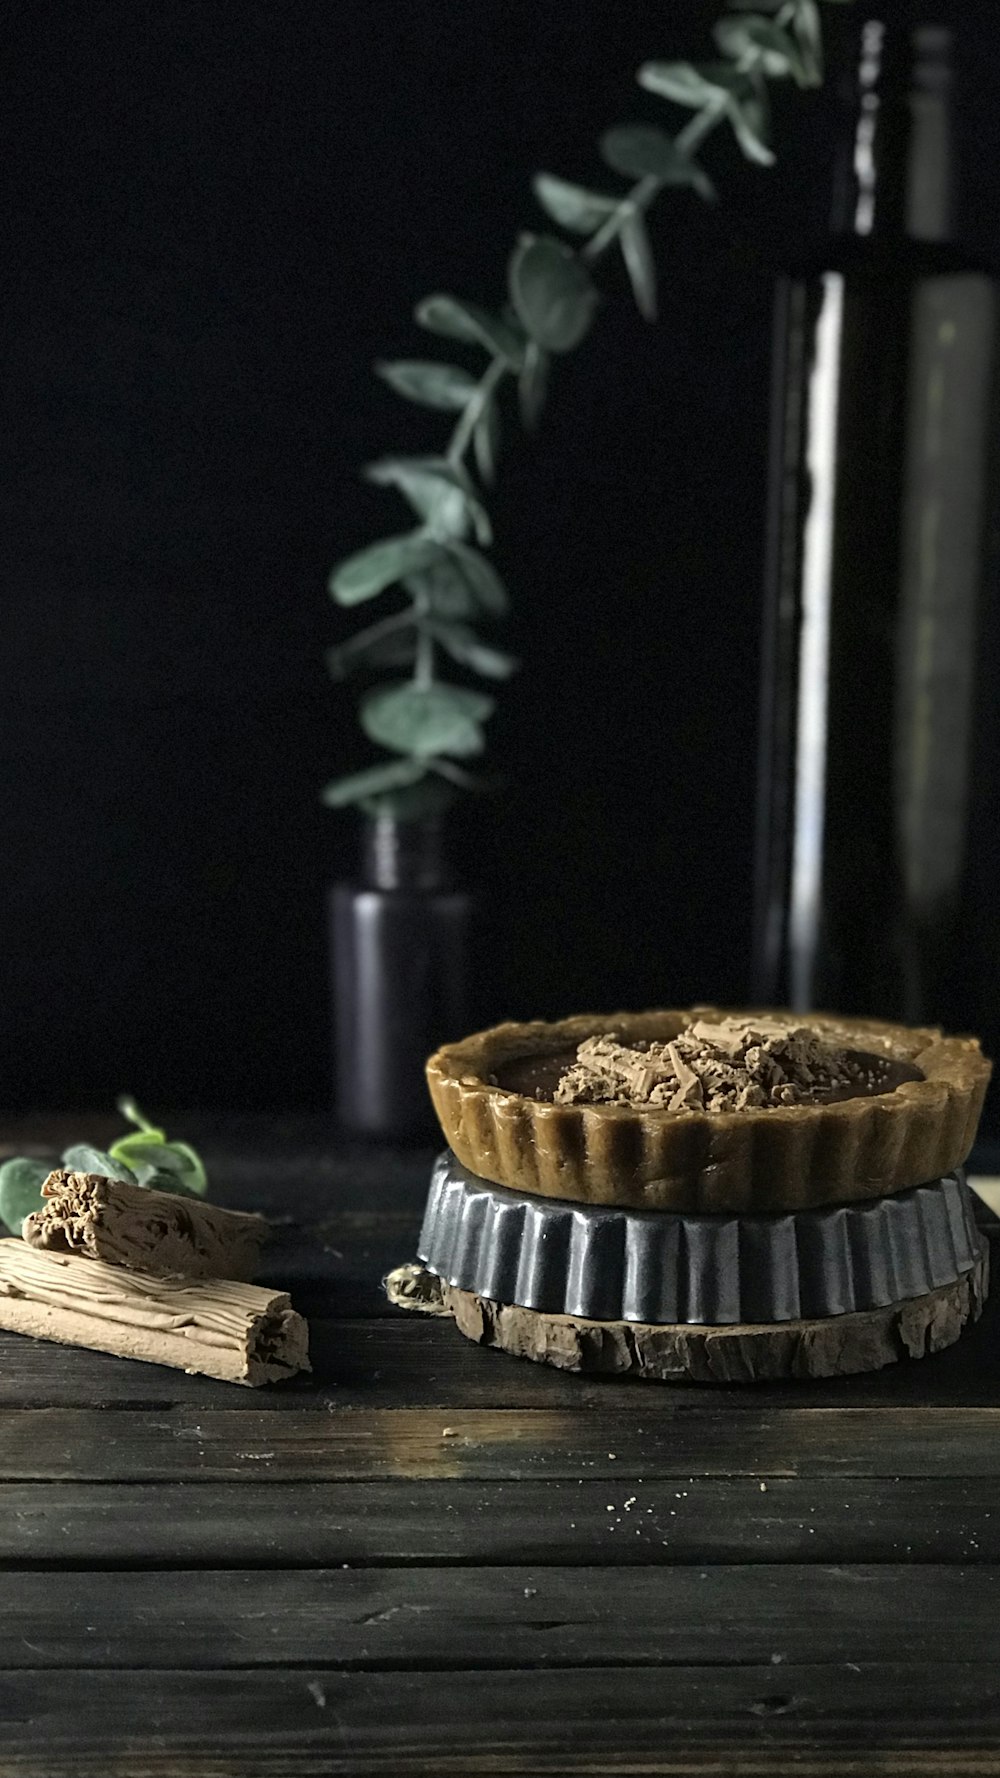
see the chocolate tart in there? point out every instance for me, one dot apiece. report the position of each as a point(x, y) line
point(493, 1096)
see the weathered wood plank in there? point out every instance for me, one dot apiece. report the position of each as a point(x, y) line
point(69, 1444)
point(501, 1617)
point(928, 1721)
point(552, 1522)
point(412, 1361)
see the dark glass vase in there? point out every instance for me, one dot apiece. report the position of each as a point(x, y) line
point(399, 947)
point(876, 755)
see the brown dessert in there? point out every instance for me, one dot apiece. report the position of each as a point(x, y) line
point(217, 1327)
point(701, 1110)
point(129, 1225)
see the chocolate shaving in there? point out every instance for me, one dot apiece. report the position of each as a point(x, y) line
point(728, 1065)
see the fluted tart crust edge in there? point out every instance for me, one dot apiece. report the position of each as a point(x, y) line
point(759, 1160)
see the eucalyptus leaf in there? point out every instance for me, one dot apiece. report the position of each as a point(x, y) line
point(433, 385)
point(440, 493)
point(389, 643)
point(552, 291)
point(82, 1158)
point(443, 589)
point(641, 151)
point(481, 578)
point(464, 646)
point(455, 319)
point(532, 385)
point(755, 38)
point(640, 264)
point(21, 1181)
point(395, 774)
point(371, 570)
point(573, 206)
point(809, 36)
point(749, 119)
point(168, 1166)
point(423, 720)
point(486, 442)
point(683, 83)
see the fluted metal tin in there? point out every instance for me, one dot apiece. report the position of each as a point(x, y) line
point(656, 1266)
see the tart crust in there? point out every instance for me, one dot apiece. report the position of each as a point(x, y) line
point(762, 1160)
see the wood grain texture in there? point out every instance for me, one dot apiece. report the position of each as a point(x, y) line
point(307, 1524)
point(511, 1617)
point(174, 1600)
point(410, 1444)
point(922, 1721)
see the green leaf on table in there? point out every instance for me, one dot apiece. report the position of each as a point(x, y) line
point(481, 578)
point(552, 291)
point(486, 441)
point(438, 491)
point(640, 264)
point(423, 720)
point(455, 319)
point(21, 1181)
point(164, 1166)
point(433, 385)
point(371, 570)
point(757, 41)
point(82, 1158)
point(167, 1165)
point(464, 646)
point(533, 384)
point(573, 206)
point(395, 774)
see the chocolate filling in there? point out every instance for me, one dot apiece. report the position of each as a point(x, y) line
point(717, 1068)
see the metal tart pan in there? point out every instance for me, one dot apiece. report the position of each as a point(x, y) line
point(663, 1267)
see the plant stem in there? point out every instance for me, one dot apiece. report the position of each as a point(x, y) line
point(647, 189)
point(474, 409)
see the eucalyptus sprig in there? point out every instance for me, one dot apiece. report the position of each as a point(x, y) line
point(440, 579)
point(143, 1156)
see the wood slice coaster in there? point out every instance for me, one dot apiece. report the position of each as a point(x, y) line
point(836, 1346)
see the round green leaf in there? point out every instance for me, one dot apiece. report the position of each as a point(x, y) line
point(572, 206)
point(760, 41)
point(456, 319)
point(424, 720)
point(443, 588)
point(481, 579)
point(435, 491)
point(681, 82)
point(21, 1181)
point(552, 291)
point(465, 647)
point(433, 385)
point(82, 1158)
point(371, 570)
point(395, 774)
point(640, 151)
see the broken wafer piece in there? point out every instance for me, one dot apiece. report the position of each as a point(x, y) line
point(218, 1327)
point(151, 1231)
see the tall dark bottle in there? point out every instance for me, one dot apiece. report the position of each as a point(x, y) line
point(878, 648)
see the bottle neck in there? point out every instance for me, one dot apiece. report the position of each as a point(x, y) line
point(403, 855)
point(895, 172)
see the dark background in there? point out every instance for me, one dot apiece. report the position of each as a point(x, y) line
point(218, 213)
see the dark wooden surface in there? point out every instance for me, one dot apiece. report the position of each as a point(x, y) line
point(432, 1559)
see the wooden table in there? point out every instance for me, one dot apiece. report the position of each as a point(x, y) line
point(435, 1559)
